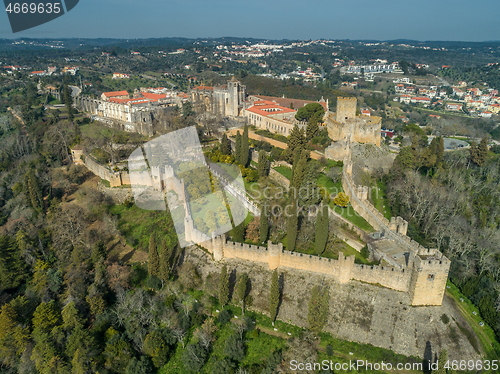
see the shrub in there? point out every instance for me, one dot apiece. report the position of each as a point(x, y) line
point(224, 317)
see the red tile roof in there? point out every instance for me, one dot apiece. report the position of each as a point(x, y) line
point(115, 93)
point(284, 102)
point(153, 96)
point(203, 88)
point(261, 107)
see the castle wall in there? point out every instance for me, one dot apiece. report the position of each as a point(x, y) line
point(385, 276)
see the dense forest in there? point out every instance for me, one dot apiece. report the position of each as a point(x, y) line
point(452, 202)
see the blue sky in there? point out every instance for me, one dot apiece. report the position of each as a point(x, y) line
point(460, 20)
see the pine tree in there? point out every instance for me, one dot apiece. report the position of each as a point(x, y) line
point(165, 255)
point(237, 148)
point(99, 252)
point(224, 286)
point(263, 167)
point(264, 223)
point(245, 147)
point(11, 266)
point(153, 258)
point(274, 295)
point(225, 145)
point(322, 223)
point(292, 225)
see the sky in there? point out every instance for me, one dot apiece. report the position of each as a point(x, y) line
point(457, 20)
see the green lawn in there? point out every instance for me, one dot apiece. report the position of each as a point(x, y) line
point(343, 247)
point(485, 333)
point(285, 171)
point(348, 213)
point(379, 199)
point(352, 216)
point(137, 225)
point(328, 184)
point(54, 102)
point(365, 352)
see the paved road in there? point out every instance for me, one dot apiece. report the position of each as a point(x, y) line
point(445, 83)
point(75, 91)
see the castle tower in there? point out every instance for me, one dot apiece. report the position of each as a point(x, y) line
point(236, 93)
point(77, 153)
point(346, 264)
point(218, 243)
point(274, 251)
point(346, 108)
point(428, 280)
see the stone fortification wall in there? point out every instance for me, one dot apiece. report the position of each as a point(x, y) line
point(358, 197)
point(343, 269)
point(397, 279)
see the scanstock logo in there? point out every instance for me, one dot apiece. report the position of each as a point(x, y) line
point(32, 13)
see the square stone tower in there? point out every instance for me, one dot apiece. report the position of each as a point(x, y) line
point(346, 109)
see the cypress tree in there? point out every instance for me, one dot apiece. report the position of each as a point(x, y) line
point(322, 223)
point(474, 153)
point(225, 145)
point(482, 151)
point(33, 190)
point(274, 295)
point(440, 150)
point(241, 290)
point(309, 192)
point(292, 225)
point(296, 141)
point(299, 171)
point(443, 357)
point(318, 309)
point(296, 159)
point(238, 233)
point(263, 167)
point(245, 147)
point(312, 128)
point(153, 258)
point(224, 286)
point(164, 261)
point(237, 148)
point(264, 223)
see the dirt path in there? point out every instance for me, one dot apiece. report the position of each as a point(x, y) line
point(23, 125)
point(314, 155)
point(470, 320)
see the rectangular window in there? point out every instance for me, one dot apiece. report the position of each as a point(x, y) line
point(430, 277)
